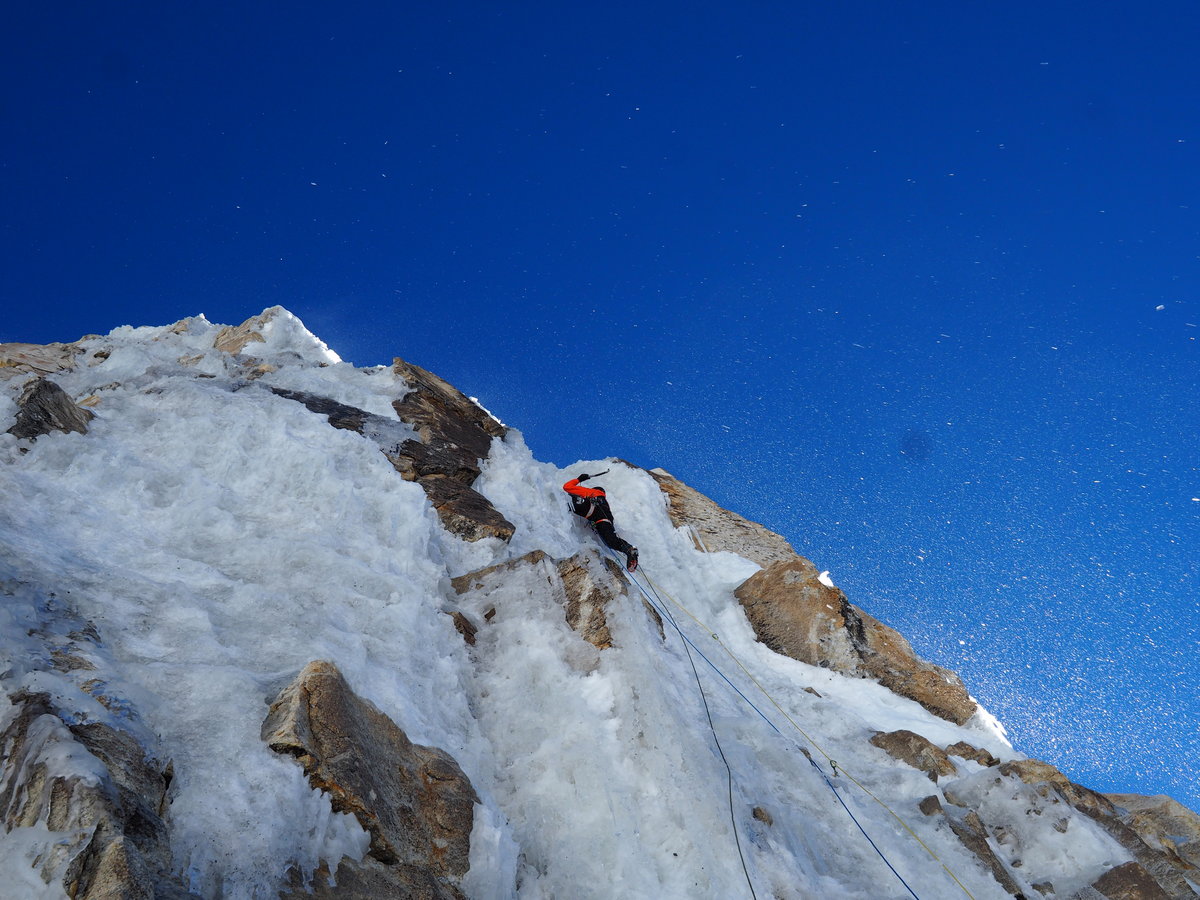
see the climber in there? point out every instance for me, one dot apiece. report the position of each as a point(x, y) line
point(592, 504)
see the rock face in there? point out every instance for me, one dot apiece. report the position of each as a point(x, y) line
point(45, 407)
point(39, 359)
point(968, 751)
point(1127, 882)
point(414, 801)
point(233, 339)
point(456, 432)
point(715, 528)
point(91, 782)
point(795, 614)
point(116, 843)
point(462, 510)
point(971, 832)
point(918, 752)
point(1162, 823)
point(584, 584)
point(588, 593)
point(1155, 873)
point(454, 436)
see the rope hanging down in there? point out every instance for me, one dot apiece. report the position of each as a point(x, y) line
point(843, 773)
point(716, 740)
point(687, 641)
point(660, 606)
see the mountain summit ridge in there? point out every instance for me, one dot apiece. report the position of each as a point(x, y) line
point(197, 515)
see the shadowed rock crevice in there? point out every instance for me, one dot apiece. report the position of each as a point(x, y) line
point(445, 476)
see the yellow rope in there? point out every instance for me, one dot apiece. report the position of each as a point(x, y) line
point(807, 737)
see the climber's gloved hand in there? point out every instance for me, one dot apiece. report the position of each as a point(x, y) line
point(582, 478)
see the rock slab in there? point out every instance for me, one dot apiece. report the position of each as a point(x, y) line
point(414, 801)
point(454, 435)
point(445, 477)
point(113, 841)
point(585, 585)
point(39, 359)
point(45, 407)
point(795, 614)
point(1163, 823)
point(715, 528)
point(1154, 874)
point(918, 752)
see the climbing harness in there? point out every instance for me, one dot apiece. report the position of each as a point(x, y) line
point(653, 594)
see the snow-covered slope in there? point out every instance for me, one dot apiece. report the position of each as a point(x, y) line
point(218, 537)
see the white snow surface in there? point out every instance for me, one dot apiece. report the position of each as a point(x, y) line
point(221, 537)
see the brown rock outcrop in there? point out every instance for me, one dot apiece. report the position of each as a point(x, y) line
point(414, 801)
point(456, 431)
point(1129, 882)
point(584, 584)
point(92, 783)
point(454, 434)
point(481, 577)
point(714, 528)
point(793, 613)
point(112, 841)
point(1163, 823)
point(588, 596)
point(369, 879)
point(233, 339)
point(1045, 778)
point(465, 627)
point(916, 751)
point(38, 359)
point(972, 834)
point(1162, 866)
point(45, 407)
point(461, 509)
point(968, 751)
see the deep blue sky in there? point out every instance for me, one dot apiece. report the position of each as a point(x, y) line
point(914, 284)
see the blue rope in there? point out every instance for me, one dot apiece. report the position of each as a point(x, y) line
point(657, 603)
point(670, 618)
point(854, 819)
point(716, 740)
point(708, 713)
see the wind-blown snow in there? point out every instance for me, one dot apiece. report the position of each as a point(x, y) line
point(221, 537)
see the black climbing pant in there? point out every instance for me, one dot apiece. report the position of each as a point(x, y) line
point(608, 534)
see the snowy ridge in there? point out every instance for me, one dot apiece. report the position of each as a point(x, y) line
point(220, 537)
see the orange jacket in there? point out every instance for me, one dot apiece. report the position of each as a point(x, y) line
point(574, 487)
point(591, 503)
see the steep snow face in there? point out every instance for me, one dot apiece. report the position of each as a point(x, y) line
point(221, 537)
